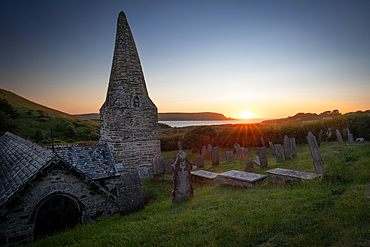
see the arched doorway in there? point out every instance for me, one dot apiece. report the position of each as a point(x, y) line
point(56, 213)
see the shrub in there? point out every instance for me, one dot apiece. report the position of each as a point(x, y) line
point(198, 137)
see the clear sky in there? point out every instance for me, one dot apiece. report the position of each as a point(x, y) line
point(273, 58)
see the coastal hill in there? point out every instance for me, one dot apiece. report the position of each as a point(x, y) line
point(176, 116)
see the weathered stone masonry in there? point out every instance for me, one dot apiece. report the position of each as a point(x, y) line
point(128, 118)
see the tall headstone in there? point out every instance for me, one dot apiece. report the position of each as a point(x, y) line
point(229, 156)
point(238, 152)
point(340, 139)
point(215, 156)
point(204, 151)
point(158, 165)
point(293, 147)
point(200, 161)
point(320, 138)
point(286, 148)
point(182, 188)
point(128, 117)
point(350, 137)
point(209, 149)
point(315, 153)
point(236, 147)
point(263, 141)
point(179, 145)
point(278, 153)
point(272, 148)
point(263, 157)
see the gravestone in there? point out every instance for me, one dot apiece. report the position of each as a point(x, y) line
point(238, 152)
point(200, 161)
point(215, 156)
point(263, 141)
point(272, 148)
point(320, 138)
point(242, 151)
point(286, 148)
point(143, 172)
point(229, 156)
point(278, 153)
point(248, 163)
point(293, 147)
point(209, 149)
point(158, 164)
point(340, 139)
point(315, 153)
point(263, 157)
point(182, 188)
point(168, 164)
point(204, 151)
point(236, 147)
point(350, 137)
point(257, 160)
point(179, 145)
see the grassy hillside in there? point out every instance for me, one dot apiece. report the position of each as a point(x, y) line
point(329, 211)
point(35, 117)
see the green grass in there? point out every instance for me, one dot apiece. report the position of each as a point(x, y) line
point(329, 211)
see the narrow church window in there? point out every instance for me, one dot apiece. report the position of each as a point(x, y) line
point(137, 102)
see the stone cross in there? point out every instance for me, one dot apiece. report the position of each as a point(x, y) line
point(179, 145)
point(340, 139)
point(229, 156)
point(272, 148)
point(209, 149)
point(182, 188)
point(204, 151)
point(158, 165)
point(263, 141)
point(320, 138)
point(278, 153)
point(200, 161)
point(286, 148)
point(293, 147)
point(315, 153)
point(215, 156)
point(263, 157)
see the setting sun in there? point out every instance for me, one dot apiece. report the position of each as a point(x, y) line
point(246, 114)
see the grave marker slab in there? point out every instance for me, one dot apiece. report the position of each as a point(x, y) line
point(263, 157)
point(272, 148)
point(257, 161)
point(280, 175)
point(286, 148)
point(143, 172)
point(293, 147)
point(238, 178)
point(278, 153)
point(339, 138)
point(200, 175)
point(158, 164)
point(182, 188)
point(209, 149)
point(204, 151)
point(315, 153)
point(229, 156)
point(215, 156)
point(200, 161)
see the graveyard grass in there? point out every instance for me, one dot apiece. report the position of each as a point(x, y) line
point(329, 211)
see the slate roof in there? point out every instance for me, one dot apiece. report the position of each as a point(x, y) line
point(96, 161)
point(20, 159)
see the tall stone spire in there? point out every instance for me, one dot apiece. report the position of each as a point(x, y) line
point(128, 117)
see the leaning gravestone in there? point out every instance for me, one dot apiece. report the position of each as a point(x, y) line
point(236, 147)
point(320, 138)
point(286, 148)
point(293, 147)
point(278, 153)
point(272, 148)
point(229, 156)
point(200, 161)
point(209, 149)
point(263, 141)
point(315, 153)
point(179, 145)
point(215, 156)
point(263, 157)
point(340, 139)
point(158, 165)
point(182, 188)
point(204, 151)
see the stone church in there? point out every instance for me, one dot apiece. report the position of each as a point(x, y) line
point(129, 118)
point(42, 191)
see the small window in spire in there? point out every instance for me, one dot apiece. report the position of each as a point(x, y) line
point(137, 102)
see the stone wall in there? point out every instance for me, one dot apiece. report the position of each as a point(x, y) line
point(17, 225)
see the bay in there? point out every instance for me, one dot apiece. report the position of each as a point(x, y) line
point(217, 122)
